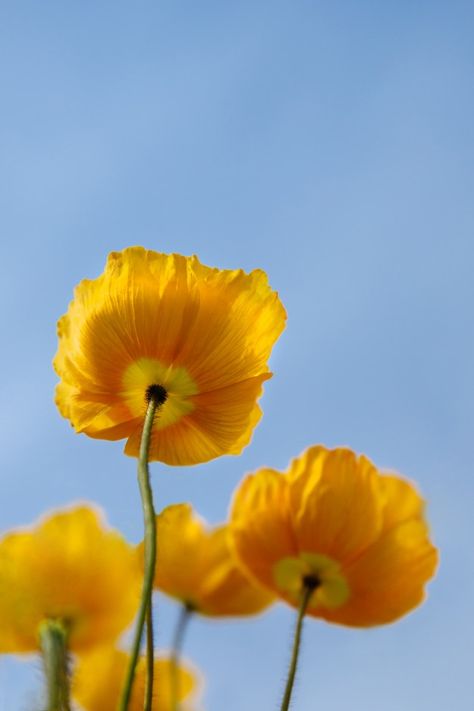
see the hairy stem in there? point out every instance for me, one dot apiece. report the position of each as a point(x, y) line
point(307, 591)
point(53, 641)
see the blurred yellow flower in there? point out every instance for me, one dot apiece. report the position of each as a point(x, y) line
point(195, 565)
point(336, 524)
point(99, 676)
point(69, 569)
point(198, 336)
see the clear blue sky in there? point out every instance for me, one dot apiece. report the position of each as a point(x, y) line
point(329, 143)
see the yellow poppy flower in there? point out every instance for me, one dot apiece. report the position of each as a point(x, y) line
point(336, 524)
point(70, 569)
point(196, 565)
point(98, 681)
point(199, 336)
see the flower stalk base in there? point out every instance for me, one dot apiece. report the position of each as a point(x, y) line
point(53, 641)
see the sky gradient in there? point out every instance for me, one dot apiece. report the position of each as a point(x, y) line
point(330, 144)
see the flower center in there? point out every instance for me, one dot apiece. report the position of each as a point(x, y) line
point(315, 572)
point(157, 393)
point(311, 581)
point(171, 387)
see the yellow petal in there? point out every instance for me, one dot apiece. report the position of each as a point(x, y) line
point(388, 580)
point(402, 501)
point(260, 524)
point(221, 422)
point(333, 492)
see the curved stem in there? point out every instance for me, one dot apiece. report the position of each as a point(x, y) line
point(150, 555)
point(53, 641)
point(308, 590)
point(183, 619)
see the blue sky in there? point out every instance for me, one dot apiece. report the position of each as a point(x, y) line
point(330, 144)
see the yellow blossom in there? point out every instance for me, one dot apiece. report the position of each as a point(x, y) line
point(70, 569)
point(99, 676)
point(333, 522)
point(199, 337)
point(196, 565)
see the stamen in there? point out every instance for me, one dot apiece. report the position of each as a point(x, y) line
point(157, 393)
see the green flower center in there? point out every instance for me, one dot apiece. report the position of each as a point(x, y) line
point(292, 575)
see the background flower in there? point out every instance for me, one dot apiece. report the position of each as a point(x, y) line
point(69, 568)
point(333, 519)
point(196, 566)
point(99, 676)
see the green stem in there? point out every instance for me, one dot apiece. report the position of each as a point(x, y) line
point(308, 590)
point(183, 619)
point(150, 666)
point(53, 642)
point(150, 556)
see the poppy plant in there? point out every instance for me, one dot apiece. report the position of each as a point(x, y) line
point(334, 538)
point(171, 355)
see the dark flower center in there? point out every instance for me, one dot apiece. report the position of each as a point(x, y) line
point(311, 582)
point(156, 393)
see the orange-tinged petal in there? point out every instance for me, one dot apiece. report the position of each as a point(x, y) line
point(239, 320)
point(402, 502)
point(388, 580)
point(203, 334)
point(99, 677)
point(332, 492)
point(261, 525)
point(196, 565)
point(69, 568)
point(220, 422)
point(226, 590)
